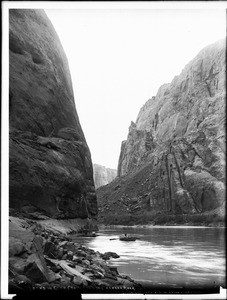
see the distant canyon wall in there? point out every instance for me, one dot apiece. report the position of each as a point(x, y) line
point(50, 164)
point(103, 175)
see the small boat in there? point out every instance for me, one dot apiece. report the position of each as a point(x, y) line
point(127, 238)
point(89, 234)
point(92, 234)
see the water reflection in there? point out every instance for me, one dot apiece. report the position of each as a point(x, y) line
point(167, 255)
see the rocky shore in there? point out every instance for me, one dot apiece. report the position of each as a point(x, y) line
point(40, 258)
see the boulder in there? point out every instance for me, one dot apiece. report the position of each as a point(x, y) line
point(16, 247)
point(69, 270)
point(52, 265)
point(17, 264)
point(50, 249)
point(35, 273)
point(108, 255)
point(79, 281)
point(22, 278)
point(114, 270)
point(65, 280)
point(17, 231)
point(125, 282)
point(69, 255)
point(60, 253)
point(86, 262)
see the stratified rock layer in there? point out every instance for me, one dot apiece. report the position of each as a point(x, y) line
point(50, 163)
point(174, 157)
point(103, 175)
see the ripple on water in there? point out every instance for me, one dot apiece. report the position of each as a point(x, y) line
point(167, 255)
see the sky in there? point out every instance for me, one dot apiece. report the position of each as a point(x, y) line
point(118, 59)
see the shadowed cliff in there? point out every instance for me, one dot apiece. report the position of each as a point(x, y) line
point(50, 163)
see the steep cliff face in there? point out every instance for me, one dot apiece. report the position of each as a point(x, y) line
point(174, 157)
point(103, 175)
point(50, 163)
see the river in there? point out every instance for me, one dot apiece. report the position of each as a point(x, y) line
point(176, 256)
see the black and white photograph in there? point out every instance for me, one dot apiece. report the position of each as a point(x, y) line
point(113, 149)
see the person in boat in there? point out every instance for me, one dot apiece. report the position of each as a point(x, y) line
point(126, 235)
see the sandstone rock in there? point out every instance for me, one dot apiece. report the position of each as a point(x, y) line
point(72, 271)
point(17, 264)
point(22, 278)
point(70, 255)
point(114, 270)
point(16, 247)
point(103, 175)
point(16, 230)
point(86, 262)
point(173, 160)
point(81, 253)
point(77, 259)
point(28, 209)
point(125, 282)
point(97, 274)
point(34, 272)
point(57, 276)
point(60, 253)
point(101, 283)
point(62, 244)
point(50, 163)
point(51, 265)
point(108, 255)
point(70, 246)
point(65, 280)
point(50, 249)
point(52, 276)
point(39, 240)
point(79, 281)
point(14, 287)
point(110, 282)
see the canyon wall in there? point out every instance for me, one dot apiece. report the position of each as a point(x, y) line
point(103, 175)
point(49, 161)
point(174, 157)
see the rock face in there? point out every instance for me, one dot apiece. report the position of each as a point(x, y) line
point(103, 175)
point(174, 157)
point(50, 162)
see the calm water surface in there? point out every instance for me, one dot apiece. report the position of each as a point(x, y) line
point(167, 255)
